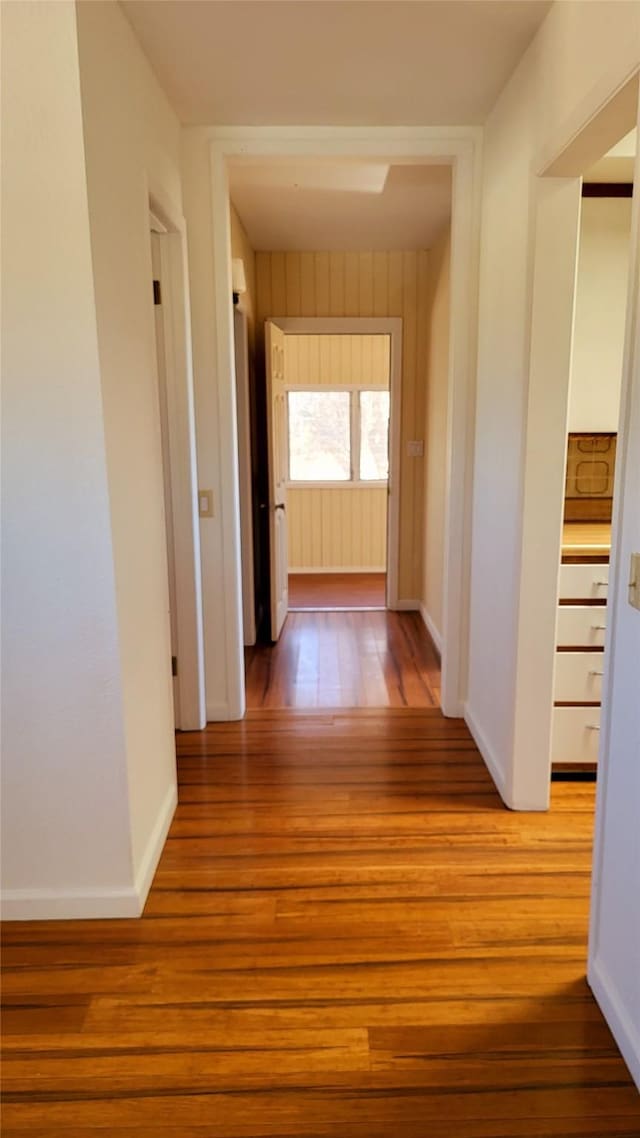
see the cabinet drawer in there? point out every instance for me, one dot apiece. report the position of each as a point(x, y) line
point(574, 736)
point(581, 626)
point(584, 582)
point(578, 677)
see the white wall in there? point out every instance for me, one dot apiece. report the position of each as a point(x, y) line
point(88, 751)
point(436, 434)
point(132, 140)
point(601, 300)
point(222, 591)
point(614, 946)
point(65, 822)
point(543, 101)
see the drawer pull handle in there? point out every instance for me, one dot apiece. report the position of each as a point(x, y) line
point(601, 584)
point(598, 627)
point(595, 672)
point(593, 727)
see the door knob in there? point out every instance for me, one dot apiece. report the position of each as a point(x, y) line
point(280, 506)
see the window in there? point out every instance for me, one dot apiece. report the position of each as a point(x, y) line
point(338, 436)
point(319, 442)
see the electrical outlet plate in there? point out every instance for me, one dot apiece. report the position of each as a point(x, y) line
point(415, 448)
point(205, 503)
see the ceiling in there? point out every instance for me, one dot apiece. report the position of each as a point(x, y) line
point(332, 205)
point(322, 62)
point(618, 164)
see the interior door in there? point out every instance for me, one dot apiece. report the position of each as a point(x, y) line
point(166, 465)
point(277, 424)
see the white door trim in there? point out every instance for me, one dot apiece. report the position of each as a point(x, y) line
point(176, 322)
point(460, 148)
point(390, 326)
point(555, 257)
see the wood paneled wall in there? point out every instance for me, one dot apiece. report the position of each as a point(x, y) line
point(337, 528)
point(318, 361)
point(367, 284)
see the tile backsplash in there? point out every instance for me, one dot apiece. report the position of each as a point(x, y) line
point(591, 463)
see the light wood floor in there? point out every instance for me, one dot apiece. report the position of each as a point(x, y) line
point(337, 590)
point(348, 937)
point(345, 659)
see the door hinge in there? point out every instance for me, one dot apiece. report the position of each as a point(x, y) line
point(157, 294)
point(174, 665)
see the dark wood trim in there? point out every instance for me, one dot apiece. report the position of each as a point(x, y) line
point(574, 776)
point(607, 189)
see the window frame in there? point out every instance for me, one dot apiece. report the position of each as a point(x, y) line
point(354, 482)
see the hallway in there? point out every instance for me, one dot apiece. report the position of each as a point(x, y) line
point(348, 935)
point(345, 659)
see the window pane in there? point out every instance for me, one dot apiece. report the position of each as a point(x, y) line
point(374, 435)
point(319, 436)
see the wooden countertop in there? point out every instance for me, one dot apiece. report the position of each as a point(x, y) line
point(586, 539)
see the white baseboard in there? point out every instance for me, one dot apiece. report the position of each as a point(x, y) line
point(487, 754)
point(155, 846)
point(72, 904)
point(430, 627)
point(406, 606)
point(623, 1030)
point(337, 569)
point(219, 713)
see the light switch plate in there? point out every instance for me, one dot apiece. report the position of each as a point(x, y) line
point(634, 581)
point(415, 448)
point(205, 503)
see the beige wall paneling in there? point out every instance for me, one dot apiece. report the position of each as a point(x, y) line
point(367, 284)
point(337, 528)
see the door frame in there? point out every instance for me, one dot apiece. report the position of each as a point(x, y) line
point(558, 201)
point(245, 482)
point(181, 445)
point(460, 148)
point(390, 326)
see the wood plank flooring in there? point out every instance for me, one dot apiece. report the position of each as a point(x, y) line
point(345, 659)
point(348, 936)
point(337, 591)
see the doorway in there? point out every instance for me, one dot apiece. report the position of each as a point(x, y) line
point(168, 294)
point(335, 422)
point(590, 484)
point(337, 441)
point(614, 926)
point(316, 274)
point(333, 394)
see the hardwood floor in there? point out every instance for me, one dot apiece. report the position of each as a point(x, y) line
point(348, 936)
point(345, 659)
point(318, 591)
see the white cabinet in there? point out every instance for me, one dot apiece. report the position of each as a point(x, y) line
point(578, 677)
point(584, 582)
point(576, 734)
point(580, 636)
point(581, 625)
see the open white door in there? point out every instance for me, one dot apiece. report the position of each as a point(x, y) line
point(277, 427)
point(161, 362)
